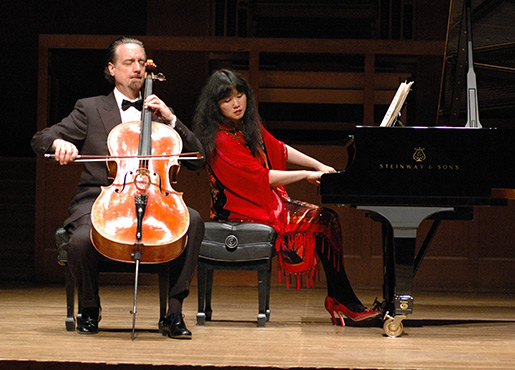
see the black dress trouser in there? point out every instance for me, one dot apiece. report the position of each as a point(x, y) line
point(83, 260)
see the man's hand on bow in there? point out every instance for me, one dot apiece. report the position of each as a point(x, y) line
point(64, 151)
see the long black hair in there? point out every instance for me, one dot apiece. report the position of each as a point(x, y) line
point(208, 115)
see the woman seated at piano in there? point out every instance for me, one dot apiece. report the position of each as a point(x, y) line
point(247, 174)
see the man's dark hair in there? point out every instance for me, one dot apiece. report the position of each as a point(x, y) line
point(112, 53)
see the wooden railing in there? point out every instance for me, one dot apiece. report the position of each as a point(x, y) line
point(367, 88)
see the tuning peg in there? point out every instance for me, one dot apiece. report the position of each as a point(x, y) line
point(160, 77)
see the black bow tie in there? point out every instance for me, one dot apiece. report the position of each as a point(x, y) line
point(138, 104)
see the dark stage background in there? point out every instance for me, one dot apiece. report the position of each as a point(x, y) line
point(312, 125)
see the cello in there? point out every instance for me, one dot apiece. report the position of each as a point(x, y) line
point(140, 218)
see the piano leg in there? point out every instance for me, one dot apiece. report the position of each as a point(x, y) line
point(388, 265)
point(399, 226)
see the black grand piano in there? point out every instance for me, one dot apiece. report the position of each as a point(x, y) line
point(403, 175)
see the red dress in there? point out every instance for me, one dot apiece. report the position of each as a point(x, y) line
point(240, 191)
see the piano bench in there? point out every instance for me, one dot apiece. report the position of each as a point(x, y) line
point(235, 246)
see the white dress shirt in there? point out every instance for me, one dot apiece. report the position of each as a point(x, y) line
point(131, 113)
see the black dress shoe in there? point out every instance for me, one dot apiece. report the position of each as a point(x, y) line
point(87, 323)
point(175, 328)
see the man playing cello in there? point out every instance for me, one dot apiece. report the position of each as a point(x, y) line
point(84, 131)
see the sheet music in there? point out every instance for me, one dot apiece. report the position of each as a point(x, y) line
point(396, 104)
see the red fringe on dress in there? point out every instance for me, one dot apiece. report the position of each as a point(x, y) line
point(303, 225)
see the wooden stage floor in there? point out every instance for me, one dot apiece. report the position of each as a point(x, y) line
point(445, 331)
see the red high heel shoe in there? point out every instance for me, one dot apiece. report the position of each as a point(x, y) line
point(329, 306)
point(332, 306)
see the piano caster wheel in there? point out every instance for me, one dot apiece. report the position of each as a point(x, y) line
point(393, 325)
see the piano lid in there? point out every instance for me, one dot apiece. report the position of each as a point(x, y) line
point(493, 38)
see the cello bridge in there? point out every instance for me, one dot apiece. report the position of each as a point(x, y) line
point(142, 179)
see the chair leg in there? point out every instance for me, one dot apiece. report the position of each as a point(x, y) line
point(164, 281)
point(268, 284)
point(201, 281)
point(70, 299)
point(209, 294)
point(262, 293)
